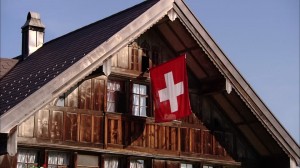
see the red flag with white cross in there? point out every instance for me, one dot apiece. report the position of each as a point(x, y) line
point(169, 84)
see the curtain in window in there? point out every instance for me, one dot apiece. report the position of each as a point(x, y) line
point(136, 163)
point(139, 102)
point(184, 165)
point(21, 159)
point(26, 158)
point(57, 158)
point(111, 162)
point(112, 87)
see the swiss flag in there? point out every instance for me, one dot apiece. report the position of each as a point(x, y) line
point(169, 83)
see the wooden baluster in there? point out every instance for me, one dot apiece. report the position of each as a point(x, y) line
point(167, 134)
point(119, 132)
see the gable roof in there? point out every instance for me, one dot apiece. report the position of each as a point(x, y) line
point(68, 64)
point(55, 56)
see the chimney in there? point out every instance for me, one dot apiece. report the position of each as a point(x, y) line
point(32, 34)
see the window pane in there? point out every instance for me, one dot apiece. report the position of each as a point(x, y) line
point(183, 165)
point(52, 158)
point(111, 107)
point(136, 100)
point(25, 157)
point(22, 156)
point(139, 98)
point(31, 157)
point(114, 96)
point(114, 85)
point(136, 89)
point(207, 166)
point(62, 159)
point(110, 85)
point(143, 89)
point(57, 158)
point(87, 160)
point(117, 86)
point(135, 110)
point(143, 111)
point(142, 101)
point(189, 166)
point(111, 162)
point(21, 165)
point(110, 96)
point(136, 163)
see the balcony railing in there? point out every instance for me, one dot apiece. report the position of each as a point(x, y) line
point(122, 131)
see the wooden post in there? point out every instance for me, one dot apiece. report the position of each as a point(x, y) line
point(105, 131)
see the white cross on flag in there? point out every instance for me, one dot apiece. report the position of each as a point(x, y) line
point(170, 90)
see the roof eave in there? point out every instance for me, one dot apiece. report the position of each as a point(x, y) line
point(228, 70)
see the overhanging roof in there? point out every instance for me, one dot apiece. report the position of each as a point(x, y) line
point(70, 67)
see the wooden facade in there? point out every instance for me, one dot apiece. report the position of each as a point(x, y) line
point(113, 117)
point(106, 120)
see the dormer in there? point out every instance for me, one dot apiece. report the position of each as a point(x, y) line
point(32, 34)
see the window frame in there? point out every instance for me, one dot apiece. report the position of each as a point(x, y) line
point(36, 160)
point(117, 105)
point(134, 57)
point(57, 153)
point(145, 96)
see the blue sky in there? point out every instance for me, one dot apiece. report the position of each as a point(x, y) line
point(261, 38)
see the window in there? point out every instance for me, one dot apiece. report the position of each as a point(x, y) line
point(27, 158)
point(58, 159)
point(186, 165)
point(134, 57)
point(137, 163)
point(89, 161)
point(111, 162)
point(139, 100)
point(207, 166)
point(115, 96)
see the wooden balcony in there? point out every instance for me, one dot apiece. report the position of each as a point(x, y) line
point(121, 132)
point(172, 138)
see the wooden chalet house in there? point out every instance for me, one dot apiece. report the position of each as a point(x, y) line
point(84, 100)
